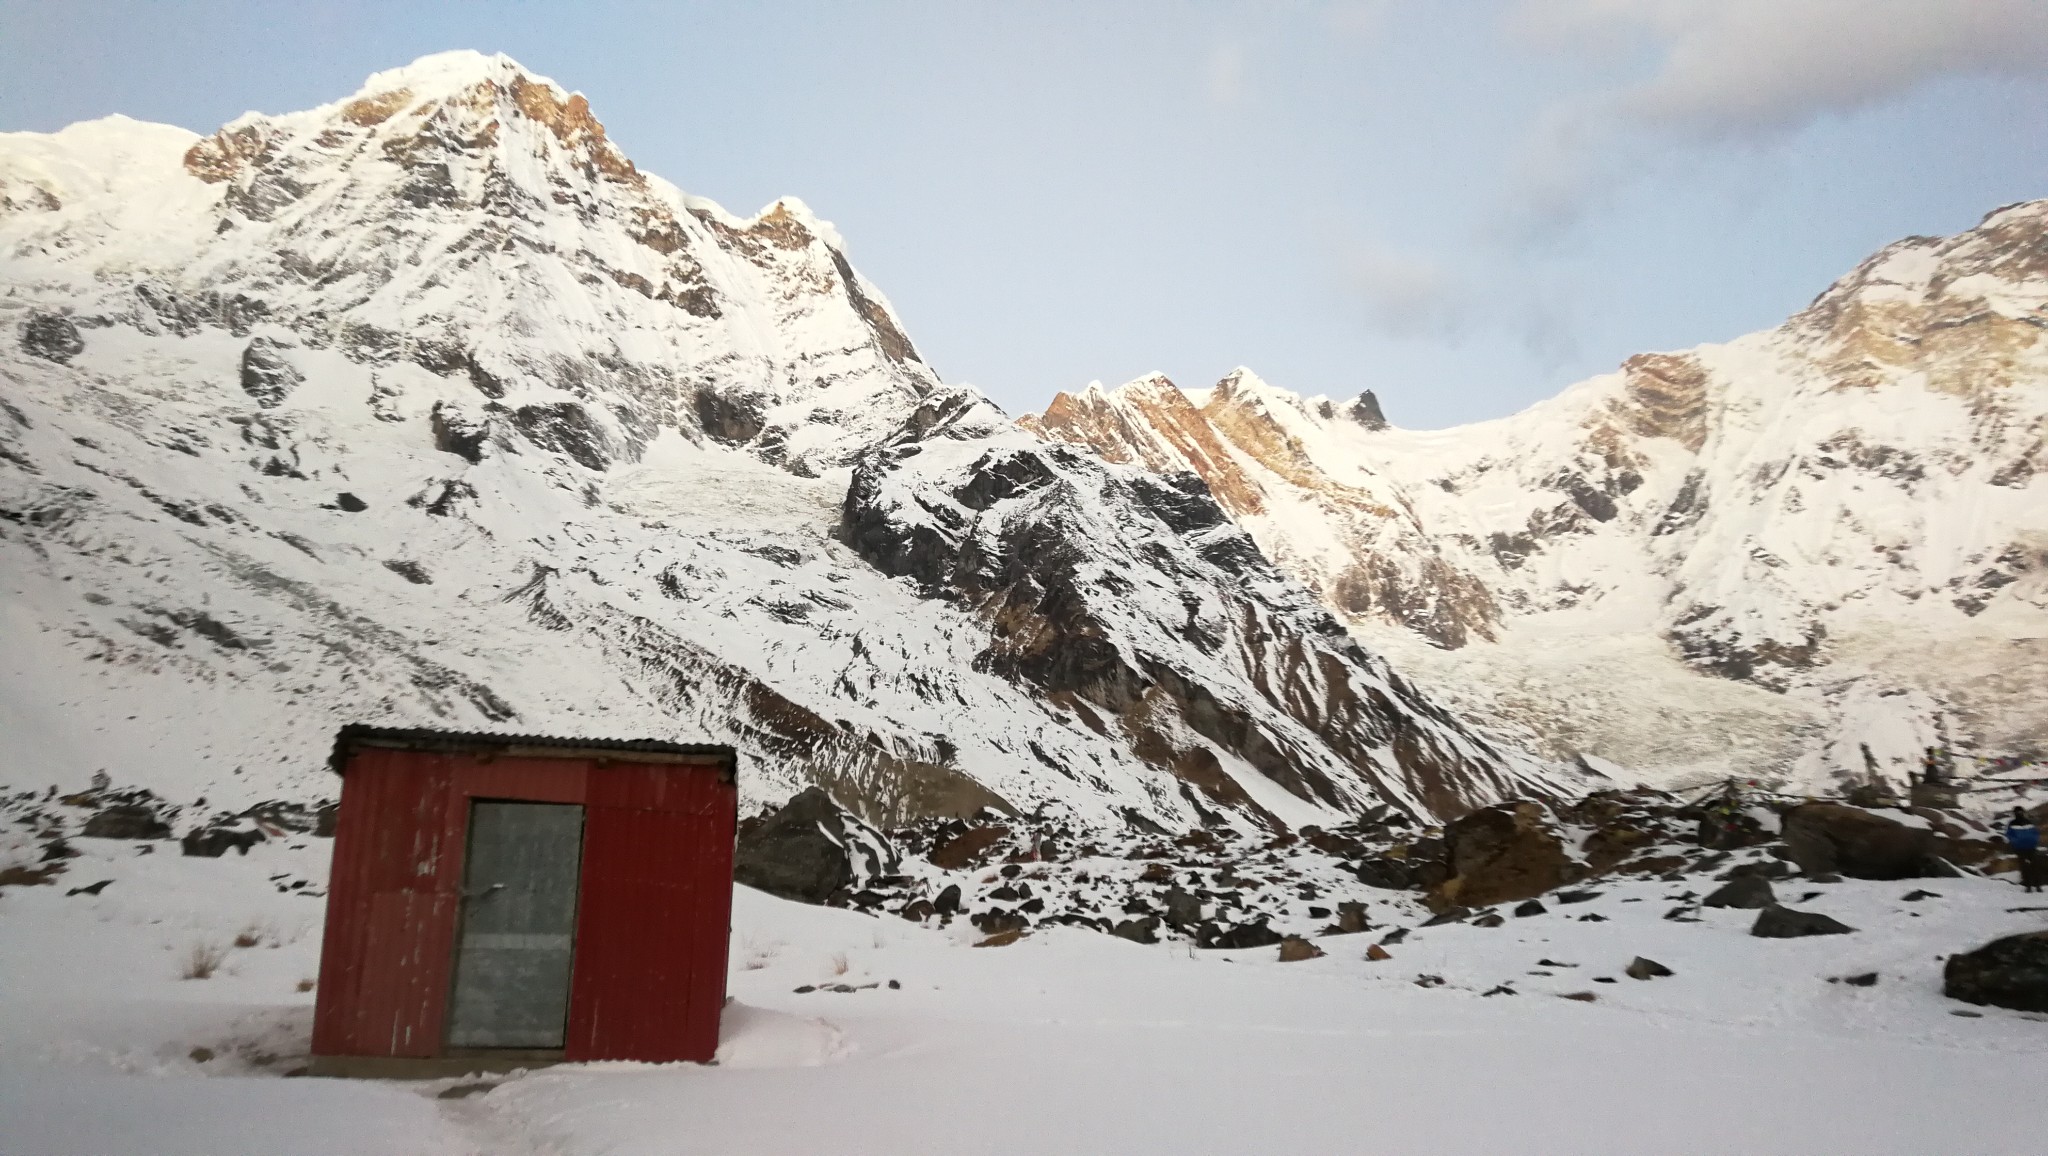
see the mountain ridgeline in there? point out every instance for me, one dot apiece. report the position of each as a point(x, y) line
point(1758, 558)
point(428, 406)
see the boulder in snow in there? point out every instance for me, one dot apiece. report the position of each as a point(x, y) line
point(2010, 972)
point(1504, 853)
point(810, 851)
point(1775, 922)
point(1748, 892)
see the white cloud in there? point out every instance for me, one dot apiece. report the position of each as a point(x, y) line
point(1405, 295)
point(1736, 70)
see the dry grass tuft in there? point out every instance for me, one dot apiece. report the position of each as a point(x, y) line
point(203, 959)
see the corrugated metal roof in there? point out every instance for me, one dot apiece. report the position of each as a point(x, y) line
point(424, 738)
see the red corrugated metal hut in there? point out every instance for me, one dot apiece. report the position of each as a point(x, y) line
point(500, 901)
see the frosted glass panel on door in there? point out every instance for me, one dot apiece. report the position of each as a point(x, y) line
point(518, 926)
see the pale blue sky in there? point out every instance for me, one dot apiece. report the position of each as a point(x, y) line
point(1461, 205)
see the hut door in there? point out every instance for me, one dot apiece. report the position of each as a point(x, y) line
point(521, 878)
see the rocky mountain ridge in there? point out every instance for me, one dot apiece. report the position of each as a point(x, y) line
point(428, 405)
point(1758, 557)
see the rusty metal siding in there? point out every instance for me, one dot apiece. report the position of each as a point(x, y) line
point(657, 910)
point(391, 901)
point(528, 780)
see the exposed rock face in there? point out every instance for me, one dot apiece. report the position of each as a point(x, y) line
point(126, 821)
point(1504, 853)
point(51, 336)
point(1705, 558)
point(268, 374)
point(810, 851)
point(2010, 972)
point(1826, 838)
point(1241, 443)
point(977, 513)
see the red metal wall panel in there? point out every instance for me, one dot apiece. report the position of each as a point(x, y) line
point(656, 915)
point(391, 902)
point(534, 780)
point(652, 926)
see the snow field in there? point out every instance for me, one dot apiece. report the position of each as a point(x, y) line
point(1067, 1040)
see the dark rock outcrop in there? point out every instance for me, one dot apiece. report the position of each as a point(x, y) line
point(215, 840)
point(1775, 922)
point(810, 851)
point(1825, 838)
point(2010, 972)
point(126, 821)
point(1747, 892)
point(268, 374)
point(1501, 854)
point(52, 337)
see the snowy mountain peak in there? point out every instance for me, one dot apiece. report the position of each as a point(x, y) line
point(1737, 558)
point(428, 406)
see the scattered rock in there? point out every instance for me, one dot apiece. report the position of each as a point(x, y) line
point(948, 901)
point(1378, 954)
point(1242, 936)
point(463, 1091)
point(211, 842)
point(89, 889)
point(2011, 972)
point(1294, 949)
point(126, 821)
point(1490, 919)
point(918, 910)
point(967, 848)
point(1390, 874)
point(1448, 915)
point(1351, 917)
point(200, 1055)
point(1183, 908)
point(1577, 896)
point(1866, 979)
point(1503, 989)
point(1429, 981)
point(1775, 922)
point(1645, 968)
point(1503, 853)
point(1916, 895)
point(1144, 930)
point(1394, 936)
point(1002, 938)
point(1581, 996)
point(1592, 917)
point(997, 920)
point(1746, 892)
point(29, 876)
point(1532, 907)
point(1605, 979)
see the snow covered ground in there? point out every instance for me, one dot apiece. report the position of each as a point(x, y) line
point(1066, 1041)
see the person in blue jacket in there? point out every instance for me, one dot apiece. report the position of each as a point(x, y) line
point(2025, 840)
